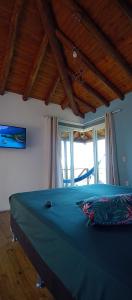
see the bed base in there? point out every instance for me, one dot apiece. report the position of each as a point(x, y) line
point(46, 276)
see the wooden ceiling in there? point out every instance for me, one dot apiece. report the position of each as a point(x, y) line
point(77, 54)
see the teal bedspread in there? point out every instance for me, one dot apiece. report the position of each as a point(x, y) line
point(94, 263)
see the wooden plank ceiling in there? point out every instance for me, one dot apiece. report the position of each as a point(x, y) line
point(77, 54)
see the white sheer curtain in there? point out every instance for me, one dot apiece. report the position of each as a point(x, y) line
point(52, 154)
point(112, 176)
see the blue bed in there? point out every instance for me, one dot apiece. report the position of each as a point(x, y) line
point(92, 263)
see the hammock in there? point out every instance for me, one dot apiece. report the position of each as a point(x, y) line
point(87, 174)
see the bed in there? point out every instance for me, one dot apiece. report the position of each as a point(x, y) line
point(74, 260)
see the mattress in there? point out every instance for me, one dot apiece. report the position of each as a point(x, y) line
point(94, 263)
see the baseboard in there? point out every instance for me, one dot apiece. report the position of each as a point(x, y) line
point(5, 211)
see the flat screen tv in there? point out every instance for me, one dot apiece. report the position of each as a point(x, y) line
point(12, 137)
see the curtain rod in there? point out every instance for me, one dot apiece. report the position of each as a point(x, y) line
point(89, 122)
point(102, 117)
point(71, 123)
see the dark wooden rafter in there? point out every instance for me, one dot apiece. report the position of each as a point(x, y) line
point(89, 89)
point(49, 25)
point(85, 19)
point(10, 43)
point(81, 102)
point(126, 6)
point(86, 61)
point(85, 105)
point(82, 115)
point(35, 67)
point(52, 89)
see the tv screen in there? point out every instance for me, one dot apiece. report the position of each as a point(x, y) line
point(12, 137)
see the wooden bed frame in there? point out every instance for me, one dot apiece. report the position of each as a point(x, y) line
point(50, 280)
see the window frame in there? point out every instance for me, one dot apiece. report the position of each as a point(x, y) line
point(70, 129)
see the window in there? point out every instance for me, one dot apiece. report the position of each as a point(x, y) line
point(81, 151)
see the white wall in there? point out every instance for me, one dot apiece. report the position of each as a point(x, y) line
point(23, 170)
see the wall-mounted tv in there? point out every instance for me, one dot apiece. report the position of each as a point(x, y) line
point(12, 137)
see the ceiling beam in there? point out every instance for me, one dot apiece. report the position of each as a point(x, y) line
point(69, 44)
point(80, 114)
point(89, 89)
point(85, 19)
point(10, 44)
point(49, 25)
point(80, 101)
point(35, 67)
point(126, 6)
point(52, 89)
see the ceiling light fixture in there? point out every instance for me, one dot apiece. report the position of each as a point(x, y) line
point(74, 53)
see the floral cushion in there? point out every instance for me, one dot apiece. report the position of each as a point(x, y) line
point(111, 210)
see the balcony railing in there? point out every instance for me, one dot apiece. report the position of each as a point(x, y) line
point(80, 171)
point(77, 173)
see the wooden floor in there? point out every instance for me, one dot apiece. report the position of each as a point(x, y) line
point(17, 275)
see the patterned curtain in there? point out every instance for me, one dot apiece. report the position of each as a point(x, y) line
point(112, 175)
point(52, 154)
